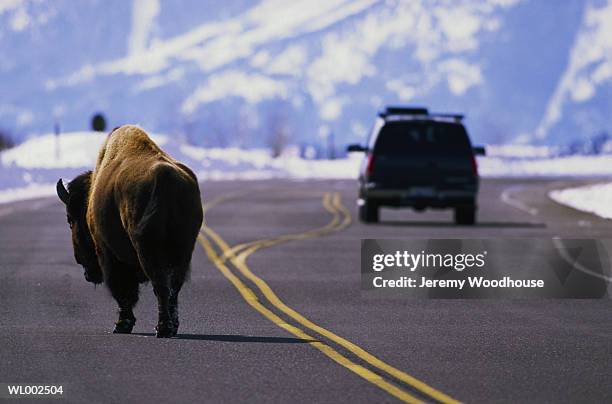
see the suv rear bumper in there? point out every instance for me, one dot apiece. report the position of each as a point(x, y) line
point(419, 197)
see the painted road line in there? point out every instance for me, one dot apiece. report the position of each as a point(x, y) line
point(251, 298)
point(508, 199)
point(356, 350)
point(327, 204)
point(240, 264)
point(332, 204)
point(558, 242)
point(225, 197)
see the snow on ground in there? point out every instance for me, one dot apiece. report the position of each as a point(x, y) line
point(70, 150)
point(520, 151)
point(595, 199)
point(30, 191)
point(32, 168)
point(573, 166)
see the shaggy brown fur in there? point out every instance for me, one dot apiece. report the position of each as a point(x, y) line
point(135, 218)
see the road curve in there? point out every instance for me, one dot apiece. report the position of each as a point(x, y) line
point(298, 328)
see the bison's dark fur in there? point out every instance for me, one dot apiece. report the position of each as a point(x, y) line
point(135, 218)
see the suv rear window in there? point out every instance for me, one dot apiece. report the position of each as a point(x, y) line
point(418, 137)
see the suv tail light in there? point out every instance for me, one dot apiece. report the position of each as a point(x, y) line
point(370, 165)
point(474, 165)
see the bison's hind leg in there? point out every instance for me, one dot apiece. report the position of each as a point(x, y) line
point(177, 279)
point(122, 281)
point(163, 291)
point(166, 286)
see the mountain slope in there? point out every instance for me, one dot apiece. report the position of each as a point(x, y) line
point(242, 73)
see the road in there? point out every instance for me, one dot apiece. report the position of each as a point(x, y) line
point(284, 320)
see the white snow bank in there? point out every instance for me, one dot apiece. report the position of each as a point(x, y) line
point(261, 165)
point(575, 166)
point(595, 199)
point(76, 149)
point(30, 169)
point(296, 167)
point(520, 150)
point(31, 191)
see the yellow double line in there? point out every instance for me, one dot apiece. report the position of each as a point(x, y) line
point(237, 256)
point(341, 218)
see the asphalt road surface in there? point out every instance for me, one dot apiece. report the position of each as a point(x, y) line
point(283, 319)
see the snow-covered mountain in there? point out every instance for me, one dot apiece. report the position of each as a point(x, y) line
point(232, 73)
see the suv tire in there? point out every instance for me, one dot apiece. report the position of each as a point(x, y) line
point(368, 212)
point(465, 215)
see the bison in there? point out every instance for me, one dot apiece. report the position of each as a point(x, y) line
point(134, 219)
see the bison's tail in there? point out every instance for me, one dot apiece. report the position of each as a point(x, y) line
point(154, 218)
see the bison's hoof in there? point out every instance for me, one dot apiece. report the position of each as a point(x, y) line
point(124, 326)
point(165, 331)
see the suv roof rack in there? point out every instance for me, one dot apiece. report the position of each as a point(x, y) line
point(400, 113)
point(398, 110)
point(456, 117)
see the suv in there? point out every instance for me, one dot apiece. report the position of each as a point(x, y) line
point(421, 160)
